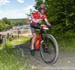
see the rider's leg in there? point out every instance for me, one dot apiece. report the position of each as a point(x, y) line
point(32, 49)
point(33, 41)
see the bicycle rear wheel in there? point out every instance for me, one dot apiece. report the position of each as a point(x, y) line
point(49, 49)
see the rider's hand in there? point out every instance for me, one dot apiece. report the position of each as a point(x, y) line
point(49, 25)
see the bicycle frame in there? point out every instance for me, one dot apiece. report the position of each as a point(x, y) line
point(41, 37)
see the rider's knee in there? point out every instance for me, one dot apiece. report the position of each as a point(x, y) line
point(34, 35)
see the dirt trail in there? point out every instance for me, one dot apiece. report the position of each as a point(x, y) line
point(66, 61)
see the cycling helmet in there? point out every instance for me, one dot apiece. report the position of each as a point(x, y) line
point(42, 8)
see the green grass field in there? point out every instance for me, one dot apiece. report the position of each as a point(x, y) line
point(16, 41)
point(12, 59)
point(66, 45)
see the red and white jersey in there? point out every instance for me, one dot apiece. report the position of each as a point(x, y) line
point(36, 17)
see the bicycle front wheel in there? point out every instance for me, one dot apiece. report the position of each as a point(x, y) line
point(49, 49)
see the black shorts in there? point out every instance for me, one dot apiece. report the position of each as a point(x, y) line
point(34, 27)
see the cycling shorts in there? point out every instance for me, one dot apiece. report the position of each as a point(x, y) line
point(34, 27)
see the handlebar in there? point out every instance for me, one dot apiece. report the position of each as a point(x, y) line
point(40, 26)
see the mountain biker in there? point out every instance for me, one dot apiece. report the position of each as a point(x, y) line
point(35, 19)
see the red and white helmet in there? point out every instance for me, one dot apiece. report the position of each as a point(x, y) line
point(42, 8)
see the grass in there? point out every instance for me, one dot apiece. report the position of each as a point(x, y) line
point(67, 44)
point(13, 59)
point(16, 41)
point(35, 69)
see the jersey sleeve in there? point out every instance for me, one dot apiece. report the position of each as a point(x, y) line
point(43, 17)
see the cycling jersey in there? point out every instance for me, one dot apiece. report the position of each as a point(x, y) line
point(36, 17)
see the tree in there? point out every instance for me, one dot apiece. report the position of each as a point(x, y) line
point(3, 26)
point(62, 13)
point(6, 21)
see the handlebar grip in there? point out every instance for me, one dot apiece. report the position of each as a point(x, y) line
point(49, 26)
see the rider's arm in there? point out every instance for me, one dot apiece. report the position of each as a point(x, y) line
point(30, 19)
point(47, 22)
point(45, 19)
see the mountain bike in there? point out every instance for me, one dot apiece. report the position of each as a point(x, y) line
point(47, 45)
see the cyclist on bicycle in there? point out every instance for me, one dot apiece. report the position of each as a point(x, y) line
point(35, 18)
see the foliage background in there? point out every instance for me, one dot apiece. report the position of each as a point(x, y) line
point(61, 14)
point(6, 23)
